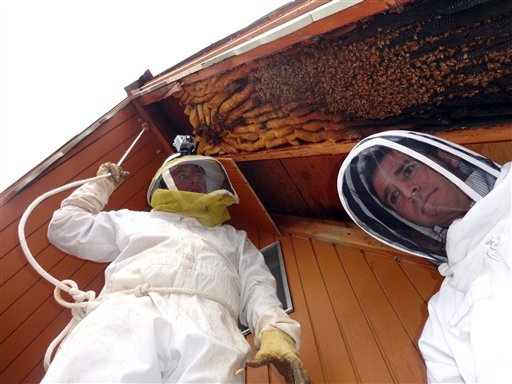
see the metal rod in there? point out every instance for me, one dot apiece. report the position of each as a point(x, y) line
point(145, 127)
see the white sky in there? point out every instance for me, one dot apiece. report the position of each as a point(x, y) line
point(63, 64)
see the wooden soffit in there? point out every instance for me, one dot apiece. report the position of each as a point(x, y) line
point(250, 210)
point(216, 59)
point(433, 66)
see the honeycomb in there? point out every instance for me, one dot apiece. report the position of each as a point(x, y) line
point(418, 62)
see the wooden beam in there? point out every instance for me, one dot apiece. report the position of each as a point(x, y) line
point(152, 125)
point(490, 134)
point(346, 234)
point(494, 133)
point(218, 49)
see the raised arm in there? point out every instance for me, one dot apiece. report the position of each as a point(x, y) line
point(80, 228)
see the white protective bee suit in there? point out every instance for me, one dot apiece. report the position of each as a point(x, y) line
point(468, 335)
point(190, 284)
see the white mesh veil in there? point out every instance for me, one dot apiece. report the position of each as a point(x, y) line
point(215, 175)
point(474, 175)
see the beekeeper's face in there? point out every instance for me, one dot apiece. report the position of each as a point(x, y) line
point(417, 192)
point(190, 178)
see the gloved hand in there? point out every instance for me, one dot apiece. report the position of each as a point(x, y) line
point(117, 173)
point(279, 349)
point(93, 196)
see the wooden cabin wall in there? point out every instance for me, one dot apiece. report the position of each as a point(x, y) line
point(29, 316)
point(361, 313)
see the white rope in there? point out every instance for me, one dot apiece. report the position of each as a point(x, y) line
point(49, 351)
point(68, 286)
point(21, 230)
point(81, 298)
point(21, 227)
point(79, 309)
point(145, 289)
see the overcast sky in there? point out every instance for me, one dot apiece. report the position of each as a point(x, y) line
point(65, 63)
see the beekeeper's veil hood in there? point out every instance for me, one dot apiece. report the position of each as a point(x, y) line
point(471, 173)
point(209, 208)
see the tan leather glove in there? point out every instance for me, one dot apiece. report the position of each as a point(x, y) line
point(94, 195)
point(117, 173)
point(279, 349)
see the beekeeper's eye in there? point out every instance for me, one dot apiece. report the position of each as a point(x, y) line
point(393, 197)
point(408, 169)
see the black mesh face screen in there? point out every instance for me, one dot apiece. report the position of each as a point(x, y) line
point(406, 189)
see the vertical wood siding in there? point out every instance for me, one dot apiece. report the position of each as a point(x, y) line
point(361, 313)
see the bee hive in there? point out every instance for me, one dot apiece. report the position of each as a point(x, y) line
point(429, 62)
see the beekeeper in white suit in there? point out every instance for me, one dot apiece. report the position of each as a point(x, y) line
point(440, 201)
point(190, 277)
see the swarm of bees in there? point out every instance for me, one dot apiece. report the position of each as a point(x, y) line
point(441, 55)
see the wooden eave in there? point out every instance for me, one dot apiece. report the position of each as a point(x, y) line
point(494, 133)
point(171, 96)
point(196, 68)
point(201, 66)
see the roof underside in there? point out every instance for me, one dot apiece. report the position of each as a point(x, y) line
point(427, 65)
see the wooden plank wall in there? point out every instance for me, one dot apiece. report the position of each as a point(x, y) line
point(250, 208)
point(361, 312)
point(29, 316)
